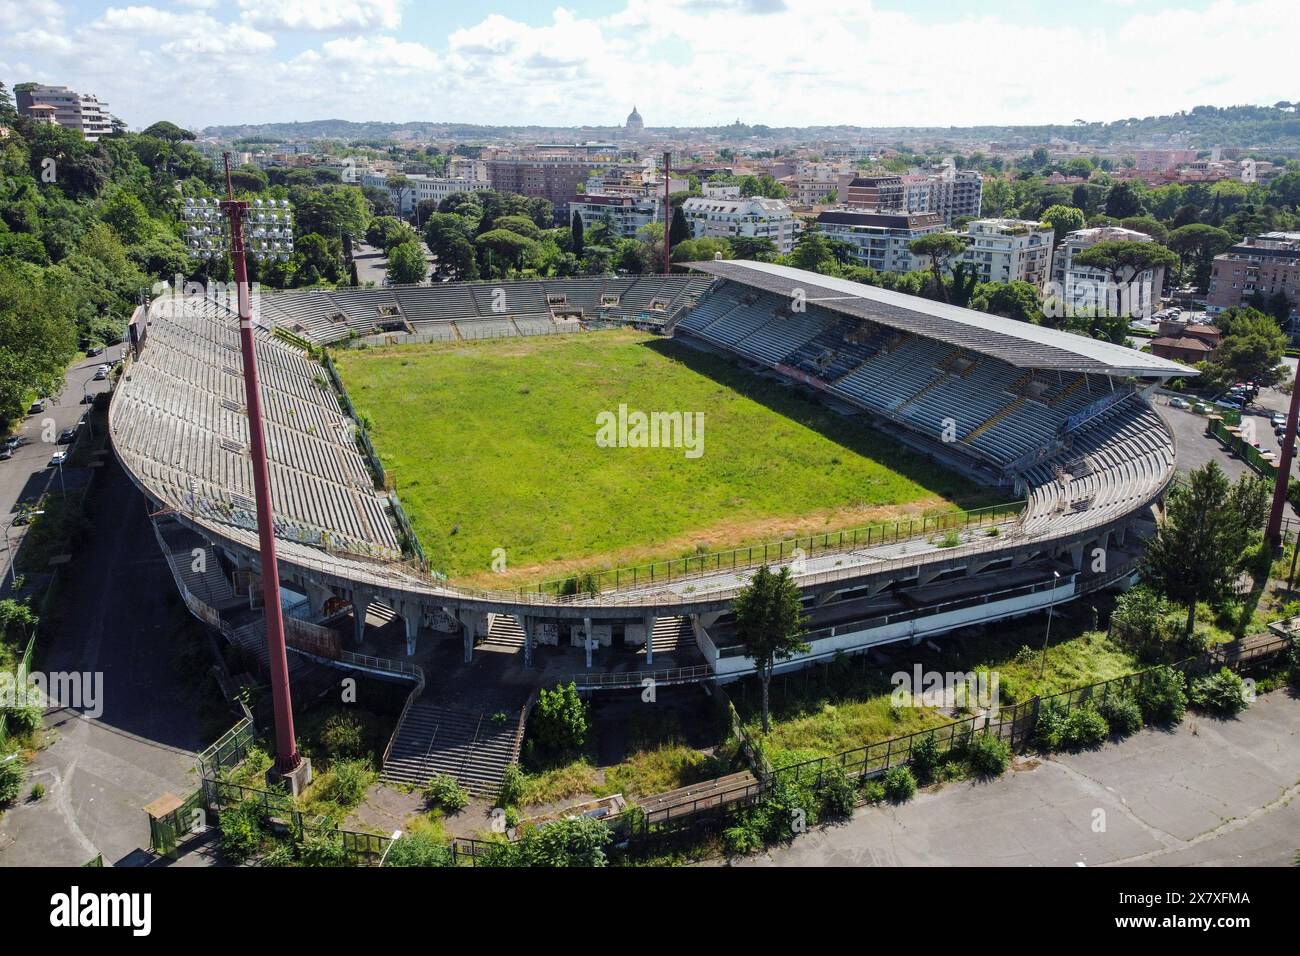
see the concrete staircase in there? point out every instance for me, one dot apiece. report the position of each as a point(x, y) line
point(472, 747)
point(672, 635)
point(505, 631)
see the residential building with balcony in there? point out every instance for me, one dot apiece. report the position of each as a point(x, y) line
point(1009, 250)
point(61, 106)
point(754, 217)
point(1266, 264)
point(879, 239)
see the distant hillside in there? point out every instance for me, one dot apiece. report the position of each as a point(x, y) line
point(1203, 126)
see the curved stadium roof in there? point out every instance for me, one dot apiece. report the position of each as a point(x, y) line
point(1017, 343)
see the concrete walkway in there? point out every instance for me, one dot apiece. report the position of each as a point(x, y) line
point(1209, 793)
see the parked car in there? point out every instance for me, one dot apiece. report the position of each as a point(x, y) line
point(1231, 403)
point(14, 441)
point(94, 350)
point(38, 406)
point(6, 452)
point(68, 435)
point(100, 375)
point(58, 458)
point(1179, 403)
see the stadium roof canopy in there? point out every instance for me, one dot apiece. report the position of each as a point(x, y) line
point(1017, 343)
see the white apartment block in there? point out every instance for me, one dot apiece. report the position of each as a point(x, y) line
point(625, 214)
point(61, 106)
point(1087, 287)
point(1009, 250)
point(419, 188)
point(880, 239)
point(956, 193)
point(755, 218)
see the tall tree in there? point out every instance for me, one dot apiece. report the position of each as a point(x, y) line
point(1207, 525)
point(575, 233)
point(770, 624)
point(1200, 243)
point(406, 263)
point(940, 248)
point(679, 230)
point(1063, 219)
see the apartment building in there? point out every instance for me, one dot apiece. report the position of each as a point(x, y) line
point(552, 171)
point(625, 213)
point(755, 218)
point(61, 106)
point(884, 193)
point(1086, 287)
point(956, 193)
point(880, 239)
point(1009, 250)
point(417, 188)
point(1265, 264)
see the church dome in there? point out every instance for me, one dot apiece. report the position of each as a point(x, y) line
point(634, 120)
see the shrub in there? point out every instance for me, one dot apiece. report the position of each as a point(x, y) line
point(988, 754)
point(926, 758)
point(37, 792)
point(900, 785)
point(342, 736)
point(445, 793)
point(559, 721)
point(1122, 714)
point(241, 831)
point(1222, 694)
point(280, 855)
point(323, 850)
point(349, 781)
point(574, 841)
point(419, 849)
point(11, 780)
point(1162, 696)
point(873, 791)
point(837, 794)
point(1085, 727)
point(741, 840)
point(1049, 731)
point(512, 786)
point(22, 721)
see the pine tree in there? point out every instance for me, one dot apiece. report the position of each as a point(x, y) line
point(576, 230)
point(770, 623)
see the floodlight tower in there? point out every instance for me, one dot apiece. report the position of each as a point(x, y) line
point(1273, 535)
point(265, 231)
point(668, 213)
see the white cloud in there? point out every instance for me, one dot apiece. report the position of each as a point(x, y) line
point(684, 62)
point(324, 15)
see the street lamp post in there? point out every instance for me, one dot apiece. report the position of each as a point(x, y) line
point(266, 233)
point(1047, 636)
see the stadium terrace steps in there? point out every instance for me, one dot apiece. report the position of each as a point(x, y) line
point(673, 635)
point(471, 746)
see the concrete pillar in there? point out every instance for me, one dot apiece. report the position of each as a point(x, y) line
point(468, 619)
point(528, 626)
point(586, 633)
point(648, 621)
point(317, 597)
point(413, 616)
point(1076, 557)
point(361, 601)
point(1120, 535)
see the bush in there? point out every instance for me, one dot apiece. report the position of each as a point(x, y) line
point(241, 831)
point(342, 736)
point(321, 850)
point(574, 841)
point(512, 786)
point(37, 792)
point(900, 785)
point(1085, 727)
point(1162, 696)
point(22, 721)
point(419, 849)
point(348, 783)
point(837, 794)
point(1122, 714)
point(559, 721)
point(446, 794)
point(988, 755)
point(926, 758)
point(1049, 731)
point(11, 780)
point(1221, 694)
point(741, 840)
point(873, 791)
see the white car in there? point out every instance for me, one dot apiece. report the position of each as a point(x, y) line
point(58, 458)
point(1179, 403)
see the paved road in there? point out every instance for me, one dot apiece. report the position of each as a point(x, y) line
point(1209, 793)
point(99, 773)
point(28, 475)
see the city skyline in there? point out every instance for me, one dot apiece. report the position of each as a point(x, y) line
point(804, 62)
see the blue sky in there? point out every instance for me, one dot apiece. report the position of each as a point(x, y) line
point(683, 62)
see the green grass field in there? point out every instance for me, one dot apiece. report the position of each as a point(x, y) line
point(493, 445)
